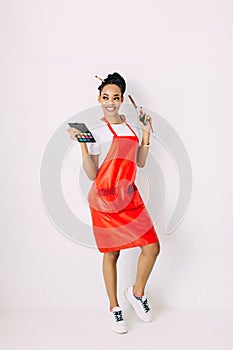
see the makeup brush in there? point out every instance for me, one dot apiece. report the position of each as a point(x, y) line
point(142, 119)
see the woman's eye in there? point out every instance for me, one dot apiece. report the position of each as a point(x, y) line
point(115, 98)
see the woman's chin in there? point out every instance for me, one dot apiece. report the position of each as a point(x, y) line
point(111, 114)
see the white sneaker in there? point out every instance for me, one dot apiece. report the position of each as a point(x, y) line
point(118, 323)
point(139, 304)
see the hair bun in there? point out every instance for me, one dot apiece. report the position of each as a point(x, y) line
point(114, 78)
point(115, 75)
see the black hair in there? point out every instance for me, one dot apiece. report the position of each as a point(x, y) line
point(116, 79)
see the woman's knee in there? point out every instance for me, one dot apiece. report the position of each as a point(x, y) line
point(113, 256)
point(151, 249)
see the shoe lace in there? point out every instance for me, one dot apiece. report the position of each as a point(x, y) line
point(118, 315)
point(145, 305)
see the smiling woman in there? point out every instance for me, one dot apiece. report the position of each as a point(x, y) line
point(119, 216)
point(111, 96)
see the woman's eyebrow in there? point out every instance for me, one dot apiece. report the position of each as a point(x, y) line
point(113, 95)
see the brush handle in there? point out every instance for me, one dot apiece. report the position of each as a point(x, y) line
point(142, 119)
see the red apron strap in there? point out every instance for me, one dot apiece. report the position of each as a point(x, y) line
point(109, 125)
point(131, 129)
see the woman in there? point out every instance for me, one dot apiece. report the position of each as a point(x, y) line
point(120, 219)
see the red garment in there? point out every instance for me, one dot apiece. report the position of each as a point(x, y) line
point(119, 217)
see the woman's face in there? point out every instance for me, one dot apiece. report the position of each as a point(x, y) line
point(110, 99)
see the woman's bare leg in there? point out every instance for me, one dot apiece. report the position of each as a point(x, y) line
point(146, 262)
point(110, 276)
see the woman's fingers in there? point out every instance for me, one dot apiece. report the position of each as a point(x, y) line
point(149, 123)
point(73, 132)
point(145, 120)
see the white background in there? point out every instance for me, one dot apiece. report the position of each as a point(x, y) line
point(176, 57)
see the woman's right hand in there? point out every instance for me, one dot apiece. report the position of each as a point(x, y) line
point(73, 132)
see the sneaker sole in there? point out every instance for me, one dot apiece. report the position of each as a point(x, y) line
point(119, 332)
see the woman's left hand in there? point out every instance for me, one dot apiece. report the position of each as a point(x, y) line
point(148, 120)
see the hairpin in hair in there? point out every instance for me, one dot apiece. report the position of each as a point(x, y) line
point(99, 78)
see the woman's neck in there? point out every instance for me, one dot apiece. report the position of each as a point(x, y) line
point(115, 119)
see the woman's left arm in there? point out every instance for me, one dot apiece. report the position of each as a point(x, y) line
point(144, 146)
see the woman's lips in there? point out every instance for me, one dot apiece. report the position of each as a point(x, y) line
point(110, 109)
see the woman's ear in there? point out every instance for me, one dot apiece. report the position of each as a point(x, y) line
point(99, 98)
point(122, 98)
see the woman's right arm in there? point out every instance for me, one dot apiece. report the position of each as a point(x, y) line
point(90, 162)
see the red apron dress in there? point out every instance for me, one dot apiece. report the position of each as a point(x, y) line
point(119, 217)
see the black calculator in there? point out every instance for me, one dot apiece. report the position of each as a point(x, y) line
point(85, 135)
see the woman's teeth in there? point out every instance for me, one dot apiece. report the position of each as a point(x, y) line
point(110, 109)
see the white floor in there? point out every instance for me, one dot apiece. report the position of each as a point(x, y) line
point(183, 329)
